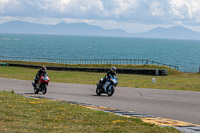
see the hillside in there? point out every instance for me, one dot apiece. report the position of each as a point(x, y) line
point(176, 32)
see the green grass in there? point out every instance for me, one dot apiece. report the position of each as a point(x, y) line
point(182, 81)
point(26, 115)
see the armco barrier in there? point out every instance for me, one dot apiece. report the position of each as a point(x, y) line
point(157, 72)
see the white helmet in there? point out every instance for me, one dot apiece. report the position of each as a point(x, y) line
point(113, 69)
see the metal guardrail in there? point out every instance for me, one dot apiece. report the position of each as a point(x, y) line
point(156, 72)
point(90, 61)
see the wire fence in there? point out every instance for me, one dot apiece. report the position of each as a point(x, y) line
point(100, 61)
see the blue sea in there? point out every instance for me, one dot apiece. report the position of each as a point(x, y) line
point(183, 53)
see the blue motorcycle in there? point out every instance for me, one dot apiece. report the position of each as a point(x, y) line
point(108, 87)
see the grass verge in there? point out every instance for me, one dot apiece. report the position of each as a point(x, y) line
point(183, 81)
point(19, 114)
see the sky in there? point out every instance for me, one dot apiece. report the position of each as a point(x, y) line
point(130, 15)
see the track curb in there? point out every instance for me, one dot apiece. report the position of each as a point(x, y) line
point(180, 125)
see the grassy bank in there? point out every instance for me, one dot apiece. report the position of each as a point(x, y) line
point(170, 71)
point(19, 114)
point(178, 81)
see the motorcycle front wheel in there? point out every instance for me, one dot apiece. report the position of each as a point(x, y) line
point(111, 91)
point(44, 89)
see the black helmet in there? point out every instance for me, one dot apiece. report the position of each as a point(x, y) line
point(113, 69)
point(44, 68)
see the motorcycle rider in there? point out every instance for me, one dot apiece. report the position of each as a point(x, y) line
point(110, 73)
point(41, 72)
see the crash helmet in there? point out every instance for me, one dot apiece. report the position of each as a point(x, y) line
point(113, 69)
point(44, 68)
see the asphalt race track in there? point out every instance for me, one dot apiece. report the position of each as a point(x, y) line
point(178, 105)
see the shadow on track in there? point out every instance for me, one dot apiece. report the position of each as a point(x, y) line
point(100, 95)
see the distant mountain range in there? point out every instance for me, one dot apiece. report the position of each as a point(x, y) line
point(60, 28)
point(176, 32)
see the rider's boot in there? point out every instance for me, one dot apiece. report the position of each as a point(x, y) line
point(33, 84)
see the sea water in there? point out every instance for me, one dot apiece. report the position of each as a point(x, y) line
point(183, 53)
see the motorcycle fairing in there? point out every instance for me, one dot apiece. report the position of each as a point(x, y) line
point(106, 85)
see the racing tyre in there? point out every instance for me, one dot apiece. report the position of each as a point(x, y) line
point(98, 91)
point(44, 90)
point(111, 91)
point(36, 90)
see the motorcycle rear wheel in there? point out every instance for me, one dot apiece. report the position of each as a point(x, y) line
point(98, 91)
point(36, 90)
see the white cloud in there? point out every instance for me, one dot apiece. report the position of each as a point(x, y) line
point(55, 5)
point(157, 9)
point(185, 9)
point(8, 6)
point(67, 8)
point(120, 10)
point(124, 6)
point(111, 12)
point(3, 3)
